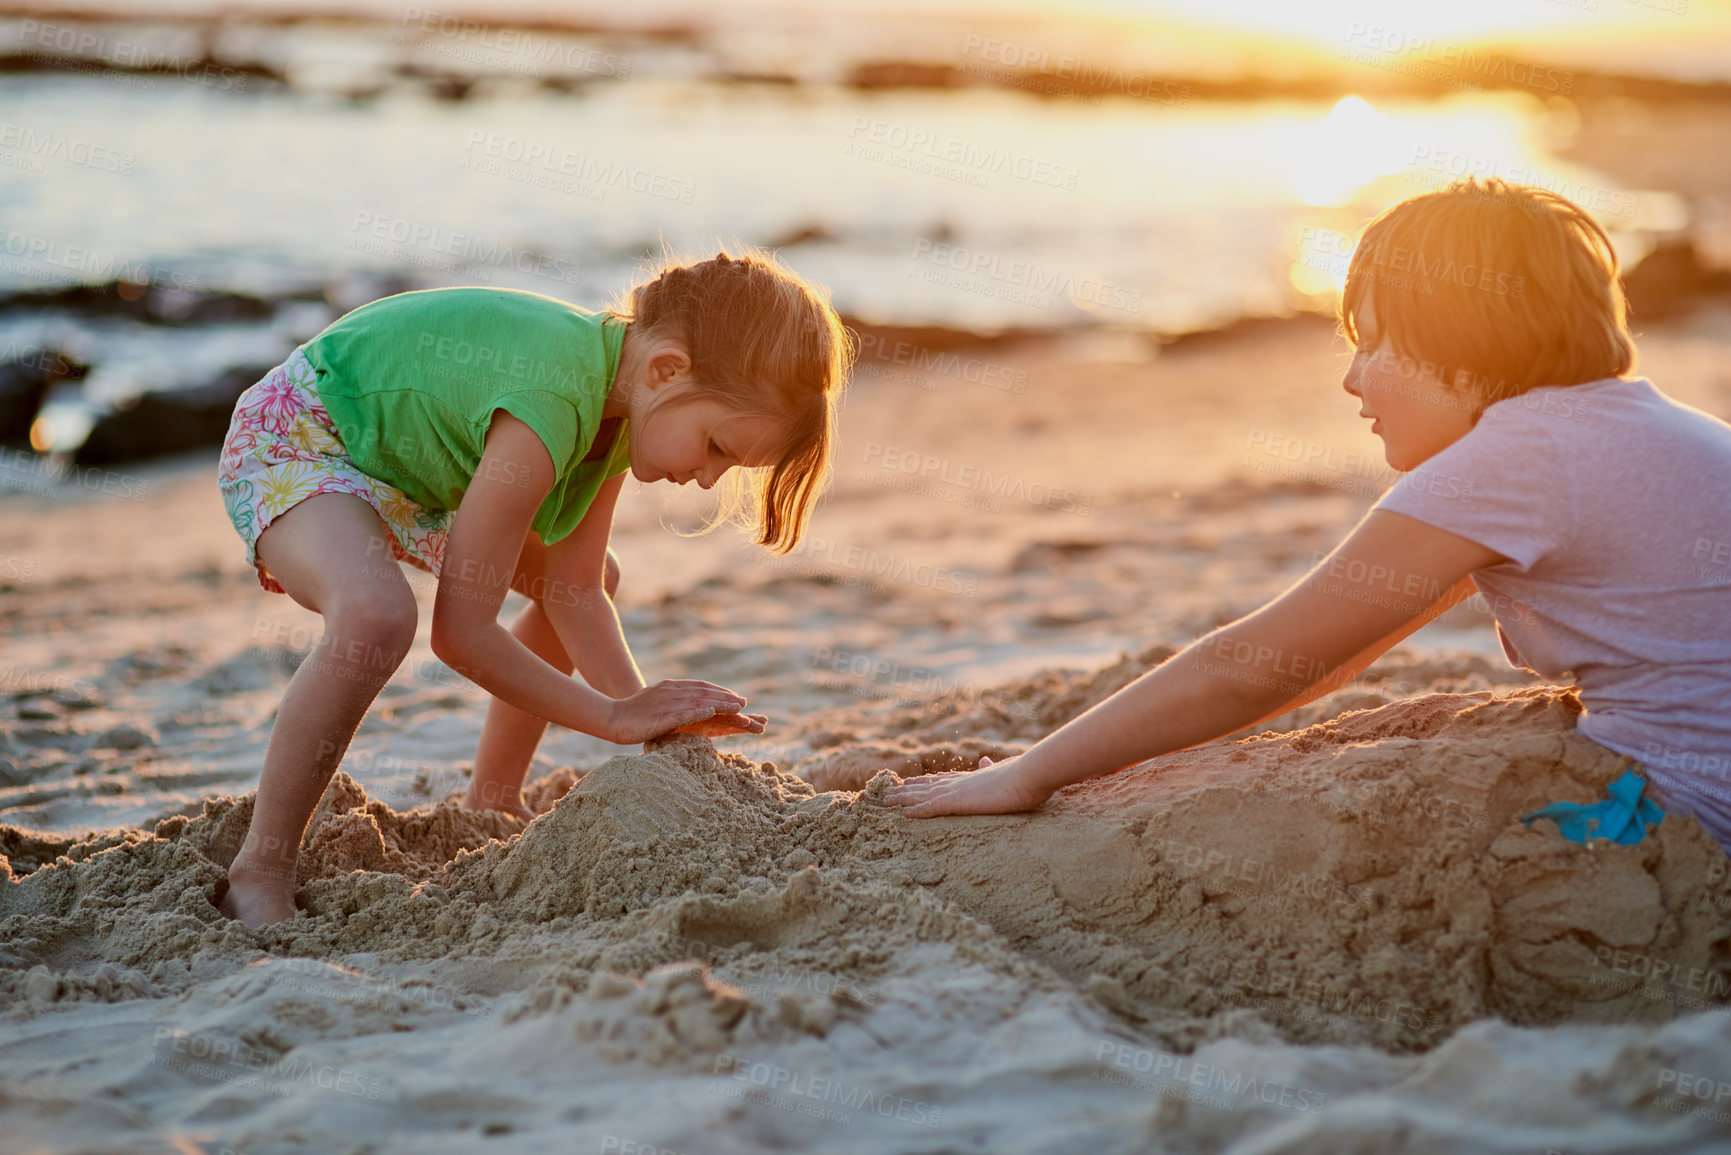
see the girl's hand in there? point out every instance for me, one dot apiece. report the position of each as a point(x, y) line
point(997, 790)
point(666, 706)
point(722, 725)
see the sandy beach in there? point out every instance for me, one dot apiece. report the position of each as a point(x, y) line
point(1332, 935)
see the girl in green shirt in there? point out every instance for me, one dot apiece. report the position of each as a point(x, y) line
point(483, 434)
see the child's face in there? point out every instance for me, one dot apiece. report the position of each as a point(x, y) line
point(672, 436)
point(698, 440)
point(1415, 413)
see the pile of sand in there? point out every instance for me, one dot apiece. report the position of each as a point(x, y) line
point(1363, 880)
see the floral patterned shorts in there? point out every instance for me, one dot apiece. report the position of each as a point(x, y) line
point(282, 447)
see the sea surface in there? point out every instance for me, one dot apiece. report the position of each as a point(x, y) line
point(319, 164)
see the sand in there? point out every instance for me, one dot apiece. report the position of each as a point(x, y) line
point(1364, 883)
point(1374, 861)
point(1332, 935)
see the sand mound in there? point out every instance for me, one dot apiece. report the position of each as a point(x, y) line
point(1363, 880)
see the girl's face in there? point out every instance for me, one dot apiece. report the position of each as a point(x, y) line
point(672, 436)
point(698, 440)
point(1415, 413)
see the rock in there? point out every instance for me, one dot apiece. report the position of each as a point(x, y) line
point(1669, 279)
point(159, 304)
point(127, 736)
point(76, 697)
point(23, 384)
point(153, 424)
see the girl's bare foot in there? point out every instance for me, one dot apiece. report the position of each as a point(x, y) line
point(257, 901)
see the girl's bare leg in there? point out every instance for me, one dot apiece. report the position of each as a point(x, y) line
point(509, 736)
point(331, 554)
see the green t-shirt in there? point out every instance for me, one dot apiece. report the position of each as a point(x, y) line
point(411, 382)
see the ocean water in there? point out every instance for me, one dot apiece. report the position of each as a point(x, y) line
point(983, 209)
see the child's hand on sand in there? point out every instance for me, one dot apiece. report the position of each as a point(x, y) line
point(677, 704)
point(991, 789)
point(722, 725)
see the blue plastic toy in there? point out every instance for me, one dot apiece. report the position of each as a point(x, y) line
point(1623, 818)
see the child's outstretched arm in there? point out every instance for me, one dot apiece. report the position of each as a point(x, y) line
point(492, 523)
point(1392, 575)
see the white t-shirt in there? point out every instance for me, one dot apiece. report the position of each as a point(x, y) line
point(1612, 503)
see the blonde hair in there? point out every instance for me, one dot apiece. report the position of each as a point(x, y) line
point(764, 342)
point(1502, 287)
